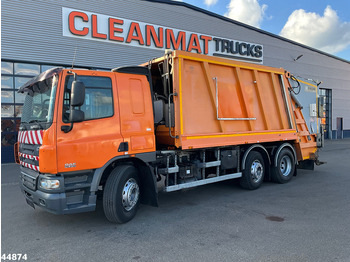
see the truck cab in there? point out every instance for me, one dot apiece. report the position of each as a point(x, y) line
point(74, 123)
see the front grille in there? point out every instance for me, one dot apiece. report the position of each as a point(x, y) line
point(29, 149)
point(29, 178)
point(29, 159)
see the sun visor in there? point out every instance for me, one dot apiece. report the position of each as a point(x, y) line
point(35, 84)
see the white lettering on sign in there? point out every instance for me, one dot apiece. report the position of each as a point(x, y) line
point(99, 27)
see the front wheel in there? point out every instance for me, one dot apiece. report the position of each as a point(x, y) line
point(254, 171)
point(121, 196)
point(283, 172)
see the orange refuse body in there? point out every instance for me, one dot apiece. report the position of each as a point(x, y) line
point(220, 102)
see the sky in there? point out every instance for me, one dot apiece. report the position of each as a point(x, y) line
point(321, 24)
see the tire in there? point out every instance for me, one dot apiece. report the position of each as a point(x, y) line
point(121, 195)
point(254, 171)
point(284, 171)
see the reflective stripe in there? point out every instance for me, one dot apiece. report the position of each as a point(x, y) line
point(19, 136)
point(28, 156)
point(40, 136)
point(31, 137)
point(22, 135)
point(36, 168)
point(26, 137)
point(34, 137)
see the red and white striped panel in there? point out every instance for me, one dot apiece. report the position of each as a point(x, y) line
point(36, 168)
point(28, 156)
point(34, 137)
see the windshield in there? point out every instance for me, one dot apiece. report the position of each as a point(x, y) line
point(39, 105)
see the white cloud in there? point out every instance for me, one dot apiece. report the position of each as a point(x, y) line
point(326, 32)
point(210, 2)
point(246, 11)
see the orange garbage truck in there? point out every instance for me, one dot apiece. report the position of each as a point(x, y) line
point(182, 120)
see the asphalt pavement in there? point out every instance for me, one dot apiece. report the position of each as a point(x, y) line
point(307, 219)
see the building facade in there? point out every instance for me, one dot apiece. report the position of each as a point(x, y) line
point(37, 35)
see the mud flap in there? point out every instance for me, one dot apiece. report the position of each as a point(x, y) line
point(148, 186)
point(306, 164)
point(295, 171)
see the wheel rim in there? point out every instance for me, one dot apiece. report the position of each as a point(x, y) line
point(256, 171)
point(131, 193)
point(286, 165)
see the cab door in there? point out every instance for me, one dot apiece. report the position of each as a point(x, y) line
point(94, 141)
point(136, 112)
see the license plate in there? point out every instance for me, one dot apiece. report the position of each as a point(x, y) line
point(30, 203)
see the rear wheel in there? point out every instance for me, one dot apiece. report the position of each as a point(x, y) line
point(121, 196)
point(283, 172)
point(254, 171)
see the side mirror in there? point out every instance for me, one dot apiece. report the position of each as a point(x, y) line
point(76, 115)
point(77, 94)
point(77, 97)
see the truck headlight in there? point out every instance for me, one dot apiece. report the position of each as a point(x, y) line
point(49, 183)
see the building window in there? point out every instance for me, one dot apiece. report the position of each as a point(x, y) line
point(7, 68)
point(27, 69)
point(13, 76)
point(325, 111)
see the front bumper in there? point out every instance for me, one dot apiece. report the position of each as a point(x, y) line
point(72, 198)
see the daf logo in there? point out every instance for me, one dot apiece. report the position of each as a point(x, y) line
point(70, 165)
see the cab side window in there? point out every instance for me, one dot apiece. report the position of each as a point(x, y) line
point(98, 97)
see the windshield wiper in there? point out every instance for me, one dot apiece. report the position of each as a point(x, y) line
point(37, 122)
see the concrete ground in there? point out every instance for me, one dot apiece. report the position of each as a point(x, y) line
point(305, 220)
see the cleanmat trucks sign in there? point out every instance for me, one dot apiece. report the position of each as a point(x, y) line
point(99, 27)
